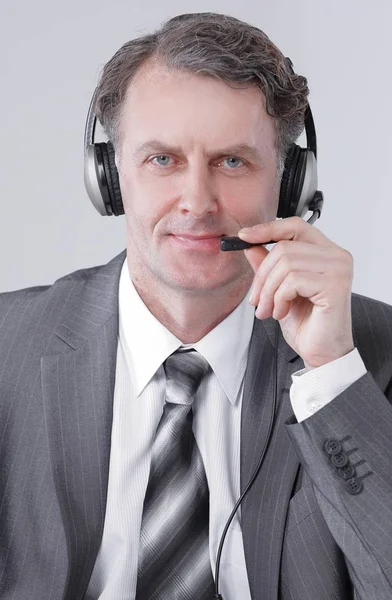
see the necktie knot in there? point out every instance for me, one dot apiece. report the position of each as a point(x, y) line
point(184, 372)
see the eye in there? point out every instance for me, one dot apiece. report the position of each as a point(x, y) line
point(162, 160)
point(233, 162)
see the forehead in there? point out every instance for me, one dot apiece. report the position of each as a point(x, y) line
point(161, 102)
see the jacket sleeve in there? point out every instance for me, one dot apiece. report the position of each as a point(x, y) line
point(346, 449)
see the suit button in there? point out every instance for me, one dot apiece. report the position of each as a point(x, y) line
point(353, 486)
point(346, 472)
point(339, 460)
point(332, 447)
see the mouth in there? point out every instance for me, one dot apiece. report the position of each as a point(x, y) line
point(209, 242)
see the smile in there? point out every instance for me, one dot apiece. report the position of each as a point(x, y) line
point(189, 242)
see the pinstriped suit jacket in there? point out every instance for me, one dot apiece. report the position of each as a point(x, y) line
point(306, 536)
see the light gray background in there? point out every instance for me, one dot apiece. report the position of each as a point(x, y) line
point(51, 56)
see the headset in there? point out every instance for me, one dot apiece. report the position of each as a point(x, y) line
point(298, 188)
point(298, 195)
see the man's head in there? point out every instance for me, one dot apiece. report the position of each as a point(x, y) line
point(201, 114)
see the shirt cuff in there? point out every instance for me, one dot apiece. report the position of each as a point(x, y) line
point(314, 388)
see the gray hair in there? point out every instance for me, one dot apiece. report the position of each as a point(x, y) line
point(213, 45)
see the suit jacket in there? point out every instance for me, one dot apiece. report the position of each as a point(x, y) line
point(308, 532)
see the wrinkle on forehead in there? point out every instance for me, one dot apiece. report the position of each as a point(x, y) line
point(156, 87)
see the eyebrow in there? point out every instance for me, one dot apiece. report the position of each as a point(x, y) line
point(159, 146)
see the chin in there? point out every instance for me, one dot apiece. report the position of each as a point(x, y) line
point(201, 275)
point(197, 281)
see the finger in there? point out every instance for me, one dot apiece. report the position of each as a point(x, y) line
point(290, 228)
point(305, 285)
point(265, 289)
point(256, 256)
point(297, 285)
point(299, 256)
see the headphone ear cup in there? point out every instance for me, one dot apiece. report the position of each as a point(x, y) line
point(286, 185)
point(298, 184)
point(113, 182)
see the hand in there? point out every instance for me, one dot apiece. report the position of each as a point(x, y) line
point(304, 282)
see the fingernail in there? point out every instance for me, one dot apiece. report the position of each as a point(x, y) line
point(259, 309)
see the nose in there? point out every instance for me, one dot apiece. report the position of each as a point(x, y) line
point(198, 195)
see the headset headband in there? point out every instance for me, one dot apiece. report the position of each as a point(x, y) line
point(91, 122)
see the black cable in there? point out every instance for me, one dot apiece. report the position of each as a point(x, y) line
point(316, 206)
point(217, 595)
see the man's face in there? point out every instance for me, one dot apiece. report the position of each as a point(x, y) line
point(197, 161)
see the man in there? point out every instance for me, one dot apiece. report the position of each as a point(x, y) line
point(201, 115)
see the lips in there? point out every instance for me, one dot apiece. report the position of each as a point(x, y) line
point(201, 236)
point(208, 241)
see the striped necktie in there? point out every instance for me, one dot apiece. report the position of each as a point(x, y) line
point(174, 561)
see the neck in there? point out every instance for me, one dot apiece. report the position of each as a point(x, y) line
point(190, 315)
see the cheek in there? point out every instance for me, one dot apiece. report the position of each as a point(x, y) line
point(144, 192)
point(251, 202)
point(146, 202)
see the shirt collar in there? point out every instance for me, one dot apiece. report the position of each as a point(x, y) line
point(147, 343)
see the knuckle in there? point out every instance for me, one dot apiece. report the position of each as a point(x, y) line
point(298, 222)
point(286, 262)
point(267, 289)
point(347, 261)
point(286, 285)
point(282, 292)
point(280, 248)
point(349, 257)
point(292, 277)
point(283, 246)
point(346, 254)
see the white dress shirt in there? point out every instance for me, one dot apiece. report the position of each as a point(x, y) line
point(139, 395)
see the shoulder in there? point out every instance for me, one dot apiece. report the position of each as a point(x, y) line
point(14, 304)
point(371, 315)
point(39, 293)
point(372, 331)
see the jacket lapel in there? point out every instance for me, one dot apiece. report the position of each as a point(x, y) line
point(265, 506)
point(78, 379)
